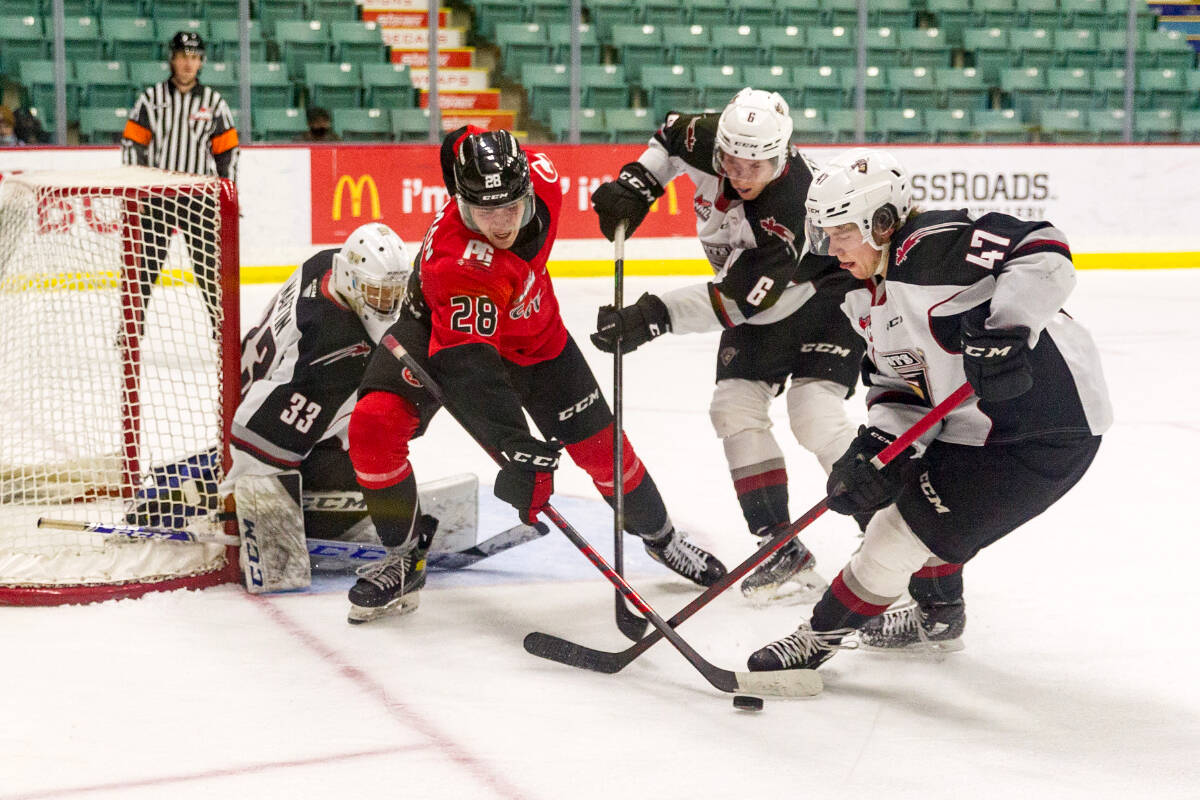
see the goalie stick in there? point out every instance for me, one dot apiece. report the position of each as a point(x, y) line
point(788, 683)
point(554, 648)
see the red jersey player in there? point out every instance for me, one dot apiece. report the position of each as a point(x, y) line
point(481, 315)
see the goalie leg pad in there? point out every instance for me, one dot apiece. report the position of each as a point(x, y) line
point(273, 554)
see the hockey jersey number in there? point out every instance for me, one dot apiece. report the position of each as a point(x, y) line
point(301, 413)
point(473, 315)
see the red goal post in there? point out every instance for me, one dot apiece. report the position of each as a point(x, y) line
point(108, 376)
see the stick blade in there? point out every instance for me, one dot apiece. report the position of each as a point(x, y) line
point(781, 683)
point(629, 623)
point(553, 648)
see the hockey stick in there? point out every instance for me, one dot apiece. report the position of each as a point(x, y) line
point(629, 623)
point(788, 683)
point(566, 652)
point(138, 532)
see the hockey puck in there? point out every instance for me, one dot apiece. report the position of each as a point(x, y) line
point(747, 703)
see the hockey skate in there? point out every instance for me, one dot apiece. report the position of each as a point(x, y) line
point(912, 628)
point(804, 649)
point(392, 585)
point(686, 559)
point(789, 573)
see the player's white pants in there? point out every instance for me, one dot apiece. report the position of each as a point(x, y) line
point(817, 412)
point(890, 553)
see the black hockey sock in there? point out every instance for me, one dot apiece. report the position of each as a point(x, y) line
point(645, 512)
point(392, 510)
point(763, 506)
point(942, 583)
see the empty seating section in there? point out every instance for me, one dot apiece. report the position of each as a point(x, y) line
point(936, 70)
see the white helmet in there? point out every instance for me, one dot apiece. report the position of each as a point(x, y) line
point(866, 187)
point(370, 273)
point(755, 125)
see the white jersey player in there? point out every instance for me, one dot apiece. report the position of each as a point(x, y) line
point(950, 299)
point(776, 305)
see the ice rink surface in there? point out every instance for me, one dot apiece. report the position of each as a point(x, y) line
point(1079, 677)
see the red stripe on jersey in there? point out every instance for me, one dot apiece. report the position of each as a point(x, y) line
point(851, 601)
point(263, 456)
point(774, 477)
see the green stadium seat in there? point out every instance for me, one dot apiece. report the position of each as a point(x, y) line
point(996, 13)
point(362, 124)
point(333, 85)
point(925, 47)
point(1064, 125)
point(878, 91)
point(270, 85)
point(898, 14)
point(490, 13)
point(688, 44)
point(548, 11)
point(713, 13)
point(786, 45)
point(638, 45)
point(833, 46)
point(1191, 79)
point(522, 43)
point(631, 125)
point(817, 87)
point(167, 26)
point(1000, 125)
point(329, 11)
point(132, 39)
point(37, 76)
point(952, 16)
point(1079, 48)
point(1170, 49)
point(592, 128)
point(603, 86)
point(1116, 14)
point(737, 45)
point(607, 14)
point(843, 122)
point(841, 12)
point(1156, 125)
point(222, 76)
point(279, 124)
point(104, 84)
point(148, 73)
point(1073, 85)
point(178, 9)
point(272, 12)
point(809, 126)
point(82, 38)
point(962, 88)
point(775, 78)
point(410, 124)
point(883, 47)
point(989, 51)
point(755, 13)
point(801, 13)
point(1189, 126)
point(1033, 47)
point(664, 12)
point(1161, 89)
point(226, 40)
point(1082, 14)
point(914, 87)
point(387, 85)
point(358, 43)
point(548, 86)
point(718, 85)
point(1037, 13)
point(301, 42)
point(901, 125)
point(1108, 88)
point(560, 43)
point(949, 125)
point(22, 39)
point(115, 9)
point(1027, 90)
point(670, 88)
point(99, 124)
point(1107, 124)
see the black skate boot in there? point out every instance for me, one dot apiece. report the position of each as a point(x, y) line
point(931, 628)
point(391, 585)
point(804, 649)
point(686, 559)
point(790, 573)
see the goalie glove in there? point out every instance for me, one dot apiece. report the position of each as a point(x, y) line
point(627, 199)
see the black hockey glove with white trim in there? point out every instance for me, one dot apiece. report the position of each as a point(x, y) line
point(634, 325)
point(996, 362)
point(627, 199)
point(526, 480)
point(855, 486)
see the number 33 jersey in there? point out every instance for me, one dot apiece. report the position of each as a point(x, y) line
point(476, 293)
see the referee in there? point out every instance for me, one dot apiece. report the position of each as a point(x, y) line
point(182, 126)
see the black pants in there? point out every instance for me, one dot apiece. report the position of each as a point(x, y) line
point(193, 217)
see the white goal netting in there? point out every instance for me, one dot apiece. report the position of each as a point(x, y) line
point(118, 374)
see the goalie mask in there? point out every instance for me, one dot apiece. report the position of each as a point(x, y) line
point(491, 173)
point(757, 126)
point(370, 273)
point(866, 188)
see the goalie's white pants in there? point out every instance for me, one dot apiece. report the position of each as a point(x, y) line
point(816, 411)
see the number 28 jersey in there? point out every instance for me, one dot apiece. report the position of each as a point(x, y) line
point(476, 293)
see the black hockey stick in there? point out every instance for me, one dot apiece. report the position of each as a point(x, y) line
point(629, 623)
point(566, 652)
point(786, 683)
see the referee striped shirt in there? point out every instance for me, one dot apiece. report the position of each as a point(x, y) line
point(190, 132)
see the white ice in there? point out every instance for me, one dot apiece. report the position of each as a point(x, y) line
point(1079, 677)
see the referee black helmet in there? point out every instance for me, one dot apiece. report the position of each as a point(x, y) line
point(187, 42)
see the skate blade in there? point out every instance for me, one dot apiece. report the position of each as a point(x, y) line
point(405, 604)
point(805, 587)
point(916, 649)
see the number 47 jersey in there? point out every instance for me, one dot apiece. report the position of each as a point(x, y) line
point(476, 293)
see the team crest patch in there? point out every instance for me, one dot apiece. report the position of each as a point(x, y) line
point(689, 140)
point(202, 114)
point(860, 166)
point(728, 354)
point(410, 379)
point(702, 207)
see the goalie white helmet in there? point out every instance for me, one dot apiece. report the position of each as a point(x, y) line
point(371, 273)
point(756, 125)
point(868, 188)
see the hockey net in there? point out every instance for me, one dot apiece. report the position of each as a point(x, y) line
point(108, 378)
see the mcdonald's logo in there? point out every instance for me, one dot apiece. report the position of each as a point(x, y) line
point(357, 187)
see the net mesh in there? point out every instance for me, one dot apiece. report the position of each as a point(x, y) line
point(111, 371)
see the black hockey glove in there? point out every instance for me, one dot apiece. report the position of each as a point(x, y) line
point(996, 362)
point(855, 486)
point(634, 325)
point(627, 198)
point(526, 480)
